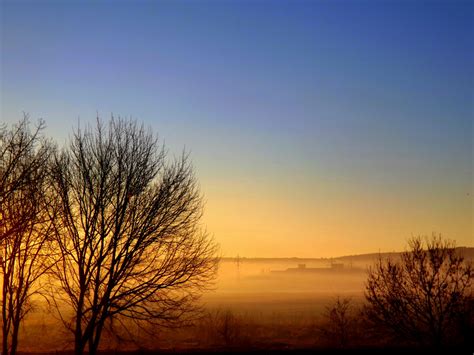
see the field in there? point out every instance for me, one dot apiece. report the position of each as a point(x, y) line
point(255, 304)
point(260, 303)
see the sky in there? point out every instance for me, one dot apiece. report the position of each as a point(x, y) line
point(316, 128)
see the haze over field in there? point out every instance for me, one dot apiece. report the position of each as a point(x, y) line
point(341, 275)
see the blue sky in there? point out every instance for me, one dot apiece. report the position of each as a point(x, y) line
point(329, 107)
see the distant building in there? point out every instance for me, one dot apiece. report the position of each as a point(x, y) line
point(332, 268)
point(337, 266)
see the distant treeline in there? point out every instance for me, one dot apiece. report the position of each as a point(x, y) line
point(466, 252)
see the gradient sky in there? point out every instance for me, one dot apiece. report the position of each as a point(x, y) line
point(317, 128)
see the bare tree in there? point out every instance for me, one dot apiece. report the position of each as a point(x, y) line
point(128, 231)
point(228, 326)
point(24, 157)
point(424, 297)
point(339, 325)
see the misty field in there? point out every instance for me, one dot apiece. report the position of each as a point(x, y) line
point(253, 304)
point(278, 304)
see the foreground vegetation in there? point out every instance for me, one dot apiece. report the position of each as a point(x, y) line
point(106, 229)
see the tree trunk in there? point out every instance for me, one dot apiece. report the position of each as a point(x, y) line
point(95, 339)
point(78, 344)
point(4, 340)
point(5, 322)
point(14, 339)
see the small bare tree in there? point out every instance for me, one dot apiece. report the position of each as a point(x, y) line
point(339, 322)
point(24, 224)
point(128, 231)
point(422, 298)
point(228, 327)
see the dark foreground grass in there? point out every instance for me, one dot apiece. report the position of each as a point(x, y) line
point(317, 351)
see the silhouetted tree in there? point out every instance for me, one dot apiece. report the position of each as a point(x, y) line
point(424, 297)
point(339, 322)
point(24, 223)
point(228, 327)
point(128, 231)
